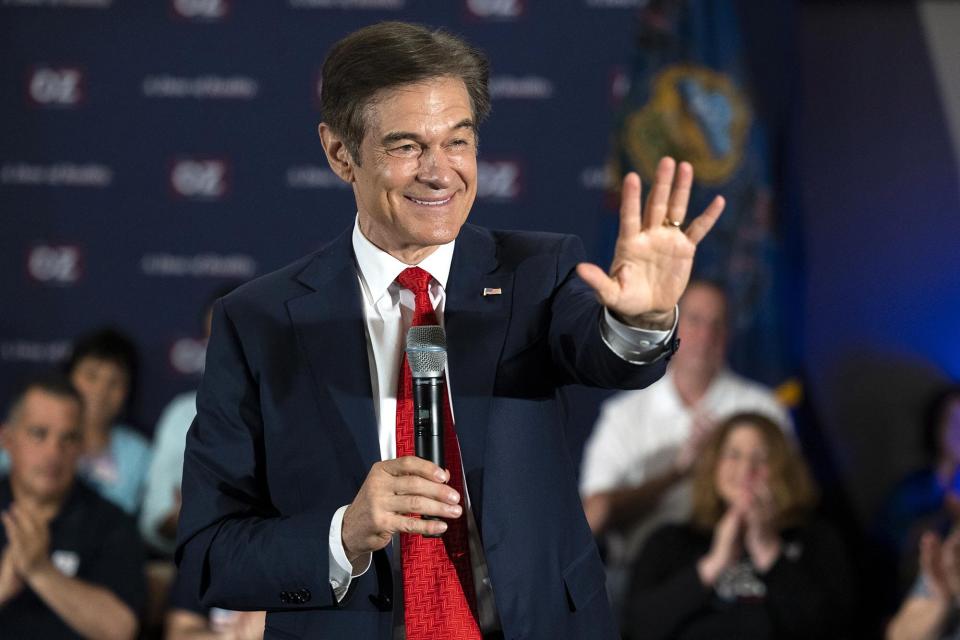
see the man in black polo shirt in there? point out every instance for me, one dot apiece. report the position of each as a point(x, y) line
point(71, 563)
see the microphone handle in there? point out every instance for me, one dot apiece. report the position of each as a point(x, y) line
point(428, 422)
point(428, 419)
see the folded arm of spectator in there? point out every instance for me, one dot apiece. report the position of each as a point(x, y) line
point(90, 610)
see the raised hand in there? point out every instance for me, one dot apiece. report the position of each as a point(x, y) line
point(654, 254)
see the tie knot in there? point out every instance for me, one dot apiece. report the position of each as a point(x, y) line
point(415, 279)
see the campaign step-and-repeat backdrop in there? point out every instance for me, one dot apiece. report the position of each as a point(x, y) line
point(153, 152)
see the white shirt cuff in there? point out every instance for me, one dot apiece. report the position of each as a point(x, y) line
point(633, 344)
point(341, 571)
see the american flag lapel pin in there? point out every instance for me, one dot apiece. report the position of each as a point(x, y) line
point(492, 291)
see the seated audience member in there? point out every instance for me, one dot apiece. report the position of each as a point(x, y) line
point(161, 501)
point(637, 461)
point(930, 611)
point(72, 563)
point(929, 498)
point(187, 619)
point(115, 457)
point(750, 564)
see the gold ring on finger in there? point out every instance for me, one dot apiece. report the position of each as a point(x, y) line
point(667, 222)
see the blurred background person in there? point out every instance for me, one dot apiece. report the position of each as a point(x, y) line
point(187, 619)
point(928, 498)
point(71, 563)
point(114, 458)
point(930, 611)
point(750, 563)
point(160, 509)
point(103, 367)
point(636, 463)
point(161, 502)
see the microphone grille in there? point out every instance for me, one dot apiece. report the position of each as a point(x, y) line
point(427, 351)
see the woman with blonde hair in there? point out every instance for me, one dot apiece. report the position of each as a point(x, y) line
point(752, 562)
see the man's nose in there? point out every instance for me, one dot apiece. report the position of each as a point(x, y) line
point(435, 169)
point(53, 450)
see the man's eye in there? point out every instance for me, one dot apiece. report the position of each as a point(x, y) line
point(405, 151)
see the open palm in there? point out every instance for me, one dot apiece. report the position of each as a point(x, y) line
point(653, 255)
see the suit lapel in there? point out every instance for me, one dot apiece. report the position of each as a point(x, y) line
point(330, 329)
point(476, 326)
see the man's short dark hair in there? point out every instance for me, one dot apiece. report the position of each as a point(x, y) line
point(391, 54)
point(105, 344)
point(52, 382)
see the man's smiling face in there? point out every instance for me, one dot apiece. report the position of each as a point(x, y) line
point(418, 176)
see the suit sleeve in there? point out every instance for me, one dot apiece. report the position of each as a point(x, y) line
point(245, 555)
point(575, 338)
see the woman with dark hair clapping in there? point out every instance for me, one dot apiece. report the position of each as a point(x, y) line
point(751, 563)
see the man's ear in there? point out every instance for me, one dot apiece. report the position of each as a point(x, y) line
point(338, 156)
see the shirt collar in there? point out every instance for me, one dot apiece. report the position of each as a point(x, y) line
point(378, 269)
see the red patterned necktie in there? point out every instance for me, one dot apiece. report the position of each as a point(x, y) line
point(438, 595)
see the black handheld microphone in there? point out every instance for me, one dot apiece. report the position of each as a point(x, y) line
point(427, 357)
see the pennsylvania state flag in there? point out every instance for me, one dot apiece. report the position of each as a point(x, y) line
point(689, 99)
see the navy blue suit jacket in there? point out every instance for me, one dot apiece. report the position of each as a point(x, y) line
point(286, 434)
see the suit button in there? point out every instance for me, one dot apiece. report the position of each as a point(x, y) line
point(304, 595)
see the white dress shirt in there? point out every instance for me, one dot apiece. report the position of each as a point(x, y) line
point(388, 313)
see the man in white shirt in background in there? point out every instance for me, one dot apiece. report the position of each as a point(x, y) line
point(636, 464)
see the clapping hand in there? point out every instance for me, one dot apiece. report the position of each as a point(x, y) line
point(748, 525)
point(700, 428)
point(940, 564)
point(654, 254)
point(10, 583)
point(29, 538)
point(761, 538)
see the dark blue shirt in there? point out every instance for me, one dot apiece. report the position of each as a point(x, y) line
point(91, 540)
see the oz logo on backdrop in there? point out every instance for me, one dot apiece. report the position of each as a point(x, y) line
point(203, 10)
point(499, 180)
point(200, 178)
point(49, 86)
point(494, 9)
point(55, 264)
point(187, 355)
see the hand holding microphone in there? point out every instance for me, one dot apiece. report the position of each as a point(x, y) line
point(416, 484)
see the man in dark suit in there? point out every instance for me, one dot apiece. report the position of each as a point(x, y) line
point(299, 493)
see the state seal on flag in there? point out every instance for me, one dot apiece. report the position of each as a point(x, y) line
point(696, 114)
